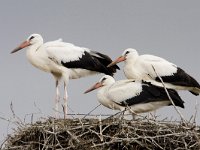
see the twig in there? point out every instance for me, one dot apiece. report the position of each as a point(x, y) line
point(14, 116)
point(196, 110)
point(100, 129)
point(8, 120)
point(70, 110)
point(63, 109)
point(40, 111)
point(114, 115)
point(73, 136)
point(11, 108)
point(182, 118)
point(91, 111)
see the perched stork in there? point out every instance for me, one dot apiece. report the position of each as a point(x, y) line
point(133, 96)
point(142, 68)
point(64, 60)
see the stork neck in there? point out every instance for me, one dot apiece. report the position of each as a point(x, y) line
point(131, 59)
point(34, 47)
point(31, 52)
point(129, 68)
point(101, 94)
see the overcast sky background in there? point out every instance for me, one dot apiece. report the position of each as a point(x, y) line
point(169, 29)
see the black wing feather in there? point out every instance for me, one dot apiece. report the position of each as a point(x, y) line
point(105, 60)
point(88, 62)
point(151, 93)
point(180, 78)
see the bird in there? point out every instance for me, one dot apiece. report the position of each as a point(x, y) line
point(150, 67)
point(133, 96)
point(64, 61)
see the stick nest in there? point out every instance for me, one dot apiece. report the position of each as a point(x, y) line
point(86, 134)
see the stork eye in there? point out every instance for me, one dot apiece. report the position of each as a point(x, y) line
point(103, 79)
point(31, 37)
point(127, 52)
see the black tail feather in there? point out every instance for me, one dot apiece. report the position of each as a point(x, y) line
point(180, 78)
point(105, 61)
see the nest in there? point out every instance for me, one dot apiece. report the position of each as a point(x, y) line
point(86, 134)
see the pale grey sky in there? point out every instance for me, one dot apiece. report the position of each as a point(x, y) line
point(169, 29)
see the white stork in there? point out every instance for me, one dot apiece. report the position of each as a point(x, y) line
point(140, 67)
point(64, 60)
point(133, 96)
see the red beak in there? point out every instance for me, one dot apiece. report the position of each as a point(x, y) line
point(120, 59)
point(21, 46)
point(96, 86)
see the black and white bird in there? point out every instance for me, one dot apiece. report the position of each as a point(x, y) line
point(139, 96)
point(139, 67)
point(64, 61)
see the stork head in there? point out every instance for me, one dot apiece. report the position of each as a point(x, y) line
point(31, 40)
point(105, 80)
point(128, 53)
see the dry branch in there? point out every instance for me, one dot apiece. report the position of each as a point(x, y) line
point(182, 118)
point(110, 133)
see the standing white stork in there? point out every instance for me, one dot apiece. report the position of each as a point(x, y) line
point(133, 96)
point(64, 60)
point(140, 68)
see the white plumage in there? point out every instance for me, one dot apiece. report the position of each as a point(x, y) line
point(140, 67)
point(139, 96)
point(65, 52)
point(64, 60)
